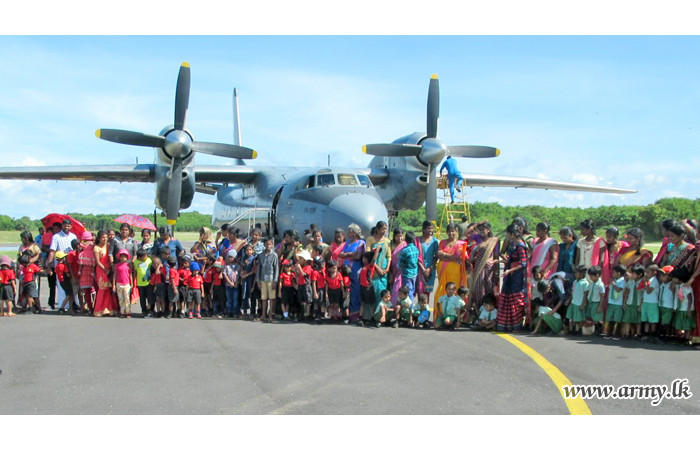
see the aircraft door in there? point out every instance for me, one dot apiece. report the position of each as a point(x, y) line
point(273, 213)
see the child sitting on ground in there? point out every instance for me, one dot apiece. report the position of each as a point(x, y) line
point(546, 318)
point(404, 308)
point(384, 312)
point(466, 317)
point(8, 286)
point(489, 313)
point(576, 312)
point(614, 314)
point(421, 313)
point(366, 289)
point(450, 307)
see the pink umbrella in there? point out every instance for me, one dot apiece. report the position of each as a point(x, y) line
point(136, 221)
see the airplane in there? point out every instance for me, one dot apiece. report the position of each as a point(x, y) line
point(401, 176)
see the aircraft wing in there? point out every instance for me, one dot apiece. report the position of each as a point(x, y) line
point(480, 180)
point(144, 173)
point(224, 174)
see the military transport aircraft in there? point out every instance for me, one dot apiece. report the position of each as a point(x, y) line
point(401, 176)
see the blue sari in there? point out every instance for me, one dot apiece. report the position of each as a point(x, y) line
point(381, 282)
point(429, 260)
point(355, 267)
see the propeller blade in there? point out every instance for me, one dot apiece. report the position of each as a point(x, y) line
point(182, 96)
point(431, 194)
point(225, 150)
point(473, 151)
point(433, 106)
point(392, 149)
point(130, 138)
point(174, 191)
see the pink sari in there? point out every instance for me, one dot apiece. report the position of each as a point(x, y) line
point(336, 249)
point(541, 255)
point(395, 273)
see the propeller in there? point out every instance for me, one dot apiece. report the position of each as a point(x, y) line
point(430, 151)
point(177, 143)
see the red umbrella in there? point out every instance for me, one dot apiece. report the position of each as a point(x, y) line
point(77, 229)
point(136, 221)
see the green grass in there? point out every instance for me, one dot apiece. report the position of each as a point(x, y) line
point(9, 237)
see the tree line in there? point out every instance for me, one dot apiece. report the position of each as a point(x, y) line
point(188, 221)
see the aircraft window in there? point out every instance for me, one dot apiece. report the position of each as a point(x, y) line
point(347, 179)
point(364, 180)
point(326, 180)
point(306, 184)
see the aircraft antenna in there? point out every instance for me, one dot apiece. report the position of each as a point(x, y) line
point(329, 160)
point(236, 125)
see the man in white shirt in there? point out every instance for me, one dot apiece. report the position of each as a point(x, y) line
point(60, 242)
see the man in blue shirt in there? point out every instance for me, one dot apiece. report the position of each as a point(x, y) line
point(453, 174)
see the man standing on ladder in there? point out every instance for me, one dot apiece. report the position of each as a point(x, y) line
point(453, 175)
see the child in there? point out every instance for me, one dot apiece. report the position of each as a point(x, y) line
point(685, 314)
point(74, 268)
point(667, 300)
point(266, 275)
point(157, 281)
point(336, 288)
point(576, 313)
point(366, 289)
point(463, 293)
point(86, 269)
point(29, 289)
point(488, 314)
point(303, 272)
point(318, 286)
point(286, 292)
point(384, 312)
point(141, 270)
point(537, 276)
point(208, 276)
point(231, 272)
point(650, 303)
point(63, 277)
point(421, 312)
point(614, 314)
point(631, 305)
point(548, 317)
point(596, 295)
point(403, 308)
point(183, 273)
point(346, 271)
point(247, 278)
point(121, 282)
point(408, 263)
point(8, 286)
point(449, 308)
point(173, 288)
point(218, 293)
point(195, 291)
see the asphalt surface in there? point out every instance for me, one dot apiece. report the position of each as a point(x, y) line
point(82, 365)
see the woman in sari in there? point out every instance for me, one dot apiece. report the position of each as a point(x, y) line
point(665, 226)
point(236, 243)
point(426, 268)
point(28, 245)
point(511, 302)
point(452, 253)
point(352, 254)
point(484, 265)
point(635, 253)
point(615, 249)
point(382, 259)
point(106, 301)
point(337, 247)
point(678, 252)
point(545, 251)
point(203, 247)
point(395, 280)
point(591, 250)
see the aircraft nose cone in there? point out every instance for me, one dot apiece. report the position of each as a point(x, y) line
point(362, 209)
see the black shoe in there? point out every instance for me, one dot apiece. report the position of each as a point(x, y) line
point(182, 315)
point(360, 323)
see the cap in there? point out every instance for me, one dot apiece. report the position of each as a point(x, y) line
point(60, 255)
point(187, 258)
point(5, 261)
point(286, 262)
point(667, 269)
point(305, 255)
point(86, 236)
point(123, 252)
point(194, 266)
point(231, 254)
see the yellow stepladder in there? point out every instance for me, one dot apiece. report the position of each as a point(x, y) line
point(451, 212)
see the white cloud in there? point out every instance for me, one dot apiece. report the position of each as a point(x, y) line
point(586, 178)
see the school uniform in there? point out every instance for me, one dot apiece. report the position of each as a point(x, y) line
point(631, 314)
point(378, 311)
point(335, 289)
point(574, 312)
point(7, 294)
point(173, 283)
point(667, 302)
point(219, 296)
point(158, 283)
point(594, 295)
point(184, 274)
point(194, 293)
point(614, 313)
point(449, 307)
point(553, 321)
point(686, 303)
point(29, 288)
point(319, 277)
point(304, 294)
point(287, 291)
point(650, 302)
point(63, 278)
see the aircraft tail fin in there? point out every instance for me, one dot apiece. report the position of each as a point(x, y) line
point(236, 125)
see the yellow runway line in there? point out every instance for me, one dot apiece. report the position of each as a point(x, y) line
point(577, 406)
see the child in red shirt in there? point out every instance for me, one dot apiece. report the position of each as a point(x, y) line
point(318, 286)
point(63, 276)
point(185, 274)
point(195, 291)
point(158, 274)
point(173, 282)
point(74, 269)
point(218, 289)
point(29, 289)
point(366, 289)
point(345, 271)
point(335, 290)
point(286, 291)
point(303, 272)
point(8, 286)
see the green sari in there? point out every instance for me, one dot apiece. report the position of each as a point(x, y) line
point(382, 253)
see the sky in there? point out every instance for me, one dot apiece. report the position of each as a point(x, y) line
point(619, 111)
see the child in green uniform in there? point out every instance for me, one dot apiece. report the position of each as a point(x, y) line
point(685, 314)
point(631, 305)
point(450, 306)
point(667, 301)
point(596, 295)
point(547, 317)
point(614, 314)
point(421, 313)
point(650, 303)
point(488, 314)
point(384, 312)
point(576, 311)
point(404, 308)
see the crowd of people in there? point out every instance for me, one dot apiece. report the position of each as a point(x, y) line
point(607, 285)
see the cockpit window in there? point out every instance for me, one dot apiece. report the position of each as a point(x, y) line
point(364, 180)
point(347, 179)
point(307, 184)
point(326, 180)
